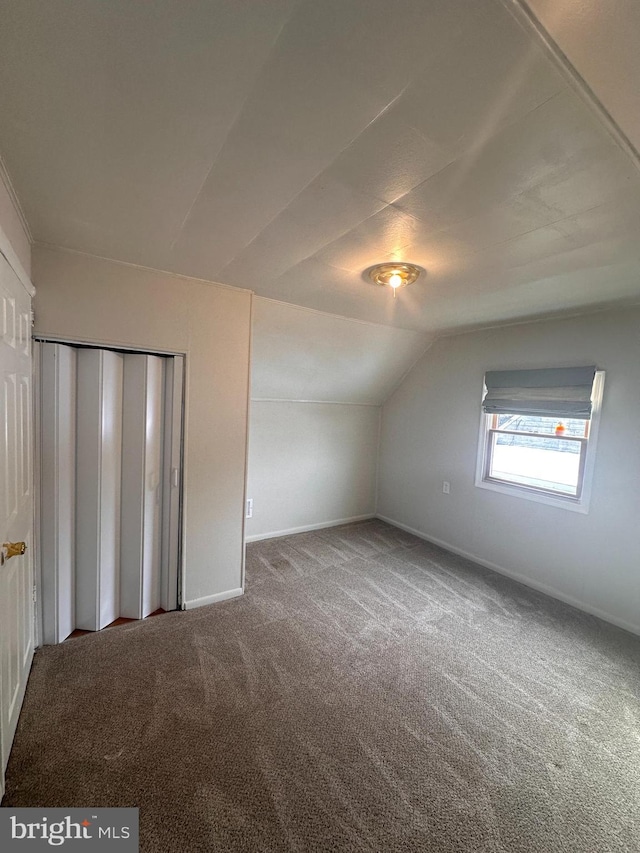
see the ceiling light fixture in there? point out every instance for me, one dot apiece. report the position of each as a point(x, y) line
point(395, 275)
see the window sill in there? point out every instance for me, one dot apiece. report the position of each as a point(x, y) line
point(573, 505)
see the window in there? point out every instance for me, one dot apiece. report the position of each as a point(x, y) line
point(526, 451)
point(538, 432)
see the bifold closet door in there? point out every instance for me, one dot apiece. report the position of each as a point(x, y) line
point(98, 470)
point(110, 457)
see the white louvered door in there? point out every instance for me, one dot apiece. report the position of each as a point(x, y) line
point(16, 504)
point(110, 450)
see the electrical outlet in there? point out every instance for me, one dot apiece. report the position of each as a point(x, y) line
point(249, 508)
point(446, 487)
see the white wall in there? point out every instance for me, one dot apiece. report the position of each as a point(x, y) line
point(430, 434)
point(302, 354)
point(82, 298)
point(317, 384)
point(310, 465)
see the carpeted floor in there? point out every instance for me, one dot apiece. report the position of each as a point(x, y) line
point(370, 692)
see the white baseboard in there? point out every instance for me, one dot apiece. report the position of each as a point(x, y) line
point(516, 576)
point(258, 537)
point(212, 599)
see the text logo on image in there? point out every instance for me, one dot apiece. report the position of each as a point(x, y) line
point(73, 829)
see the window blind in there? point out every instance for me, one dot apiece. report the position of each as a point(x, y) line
point(552, 391)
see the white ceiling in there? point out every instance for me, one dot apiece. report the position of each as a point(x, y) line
point(301, 354)
point(285, 146)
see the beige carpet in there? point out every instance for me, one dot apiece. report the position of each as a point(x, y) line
point(370, 692)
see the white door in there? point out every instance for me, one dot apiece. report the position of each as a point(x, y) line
point(110, 444)
point(16, 504)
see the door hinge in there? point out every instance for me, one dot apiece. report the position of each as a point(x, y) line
point(35, 593)
point(33, 318)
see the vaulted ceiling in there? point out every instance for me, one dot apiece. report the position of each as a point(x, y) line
point(285, 146)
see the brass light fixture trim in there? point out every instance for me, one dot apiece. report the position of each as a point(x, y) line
point(395, 275)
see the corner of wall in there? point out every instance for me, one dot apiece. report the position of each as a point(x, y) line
point(15, 235)
point(430, 342)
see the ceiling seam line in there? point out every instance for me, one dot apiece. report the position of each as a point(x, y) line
point(382, 201)
point(317, 175)
point(234, 123)
point(493, 135)
point(448, 165)
point(387, 204)
point(54, 247)
point(523, 233)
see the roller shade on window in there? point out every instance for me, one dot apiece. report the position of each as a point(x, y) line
point(550, 392)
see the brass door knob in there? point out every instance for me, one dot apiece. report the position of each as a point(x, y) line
point(11, 549)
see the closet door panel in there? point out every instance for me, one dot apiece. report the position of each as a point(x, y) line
point(57, 489)
point(174, 379)
point(142, 461)
point(98, 461)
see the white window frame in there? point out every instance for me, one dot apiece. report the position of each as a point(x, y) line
point(531, 493)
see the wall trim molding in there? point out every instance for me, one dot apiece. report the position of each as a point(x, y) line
point(5, 244)
point(529, 22)
point(315, 402)
point(258, 537)
point(212, 599)
point(7, 251)
point(110, 345)
point(551, 591)
point(15, 201)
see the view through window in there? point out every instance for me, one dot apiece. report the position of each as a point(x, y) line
point(542, 453)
